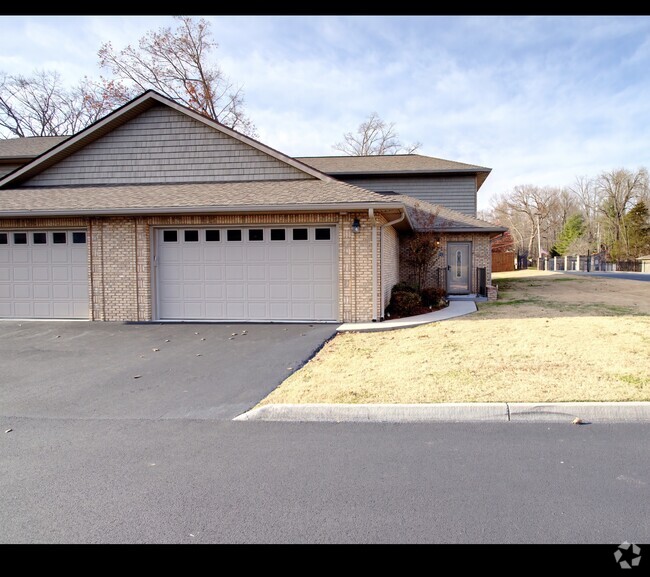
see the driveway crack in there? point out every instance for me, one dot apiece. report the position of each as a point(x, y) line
point(508, 411)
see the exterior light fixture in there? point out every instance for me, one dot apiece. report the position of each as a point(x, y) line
point(356, 226)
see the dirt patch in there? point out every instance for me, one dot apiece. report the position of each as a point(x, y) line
point(550, 338)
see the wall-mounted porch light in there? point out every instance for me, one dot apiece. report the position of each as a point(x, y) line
point(356, 226)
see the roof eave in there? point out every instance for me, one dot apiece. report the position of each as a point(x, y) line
point(334, 207)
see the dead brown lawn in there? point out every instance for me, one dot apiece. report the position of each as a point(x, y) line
point(549, 338)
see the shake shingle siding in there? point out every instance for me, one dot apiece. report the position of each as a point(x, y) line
point(164, 146)
point(457, 193)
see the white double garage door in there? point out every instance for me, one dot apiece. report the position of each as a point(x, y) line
point(224, 273)
point(253, 273)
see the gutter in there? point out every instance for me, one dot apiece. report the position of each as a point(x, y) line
point(392, 222)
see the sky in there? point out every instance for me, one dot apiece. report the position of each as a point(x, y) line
point(540, 100)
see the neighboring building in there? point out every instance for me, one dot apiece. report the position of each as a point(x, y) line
point(156, 212)
point(645, 263)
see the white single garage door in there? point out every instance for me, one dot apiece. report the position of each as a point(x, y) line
point(235, 273)
point(43, 274)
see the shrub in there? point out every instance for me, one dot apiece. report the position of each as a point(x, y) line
point(404, 303)
point(432, 296)
point(403, 286)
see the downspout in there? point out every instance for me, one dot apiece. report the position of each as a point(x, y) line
point(390, 223)
point(373, 223)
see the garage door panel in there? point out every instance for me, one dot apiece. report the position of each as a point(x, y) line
point(80, 256)
point(234, 252)
point(213, 272)
point(258, 273)
point(257, 310)
point(5, 293)
point(301, 292)
point(323, 272)
point(170, 291)
point(214, 291)
point(60, 255)
point(41, 274)
point(61, 273)
point(191, 272)
point(79, 273)
point(61, 291)
point(42, 291)
point(322, 253)
point(300, 252)
point(236, 291)
point(279, 272)
point(42, 309)
point(301, 311)
point(79, 293)
point(193, 291)
point(21, 273)
point(323, 291)
point(235, 310)
point(192, 254)
point(20, 256)
point(193, 310)
point(279, 291)
point(257, 291)
point(22, 291)
point(170, 273)
point(234, 272)
point(300, 272)
point(214, 310)
point(40, 255)
point(4, 255)
point(278, 252)
point(23, 309)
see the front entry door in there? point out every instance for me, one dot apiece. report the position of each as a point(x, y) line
point(458, 267)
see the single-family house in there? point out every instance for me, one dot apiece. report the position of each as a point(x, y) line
point(157, 213)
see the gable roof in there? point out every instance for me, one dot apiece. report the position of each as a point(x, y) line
point(122, 115)
point(200, 198)
point(393, 164)
point(425, 217)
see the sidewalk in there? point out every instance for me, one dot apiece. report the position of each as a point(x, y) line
point(454, 412)
point(456, 308)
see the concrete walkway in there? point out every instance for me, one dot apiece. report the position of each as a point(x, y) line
point(456, 308)
point(453, 412)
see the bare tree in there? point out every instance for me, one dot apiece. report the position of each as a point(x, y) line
point(618, 191)
point(374, 137)
point(176, 63)
point(36, 105)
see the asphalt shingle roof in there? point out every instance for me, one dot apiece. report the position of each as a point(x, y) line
point(86, 199)
point(387, 163)
point(28, 146)
point(425, 216)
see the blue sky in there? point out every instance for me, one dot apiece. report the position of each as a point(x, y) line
point(538, 99)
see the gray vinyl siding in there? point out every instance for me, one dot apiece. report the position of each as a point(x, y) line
point(454, 192)
point(163, 145)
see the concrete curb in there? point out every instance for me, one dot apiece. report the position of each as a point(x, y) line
point(452, 412)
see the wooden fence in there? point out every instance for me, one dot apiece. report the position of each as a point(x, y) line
point(503, 261)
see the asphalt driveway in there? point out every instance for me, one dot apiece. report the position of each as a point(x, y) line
point(102, 370)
